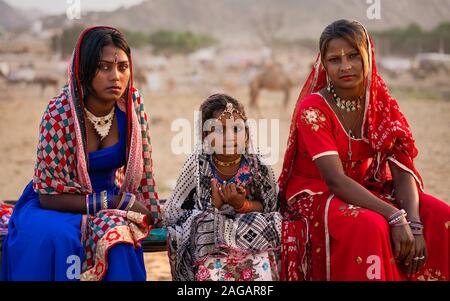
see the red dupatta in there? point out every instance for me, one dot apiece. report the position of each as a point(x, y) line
point(384, 127)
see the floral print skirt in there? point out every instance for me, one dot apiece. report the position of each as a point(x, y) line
point(236, 266)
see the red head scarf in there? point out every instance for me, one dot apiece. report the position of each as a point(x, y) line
point(385, 127)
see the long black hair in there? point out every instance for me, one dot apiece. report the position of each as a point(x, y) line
point(91, 52)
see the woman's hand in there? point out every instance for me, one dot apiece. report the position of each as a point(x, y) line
point(232, 194)
point(403, 241)
point(216, 198)
point(140, 208)
point(417, 256)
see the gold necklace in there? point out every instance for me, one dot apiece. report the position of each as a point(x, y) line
point(227, 164)
point(350, 133)
point(224, 173)
point(101, 124)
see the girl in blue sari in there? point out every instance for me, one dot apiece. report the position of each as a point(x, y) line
point(93, 198)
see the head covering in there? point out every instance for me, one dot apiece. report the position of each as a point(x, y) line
point(62, 160)
point(384, 126)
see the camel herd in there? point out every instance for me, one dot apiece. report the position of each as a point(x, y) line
point(271, 77)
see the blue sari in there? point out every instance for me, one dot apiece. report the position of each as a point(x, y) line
point(45, 245)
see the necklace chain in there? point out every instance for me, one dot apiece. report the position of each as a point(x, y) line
point(349, 106)
point(226, 164)
point(224, 173)
point(342, 104)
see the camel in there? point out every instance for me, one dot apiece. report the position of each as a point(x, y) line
point(273, 78)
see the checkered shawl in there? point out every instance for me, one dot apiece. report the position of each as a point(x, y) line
point(61, 165)
point(62, 161)
point(197, 229)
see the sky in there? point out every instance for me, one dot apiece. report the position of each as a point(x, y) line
point(60, 6)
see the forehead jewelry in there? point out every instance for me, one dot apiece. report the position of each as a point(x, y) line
point(229, 108)
point(342, 52)
point(116, 59)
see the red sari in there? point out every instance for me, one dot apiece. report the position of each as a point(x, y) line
point(324, 237)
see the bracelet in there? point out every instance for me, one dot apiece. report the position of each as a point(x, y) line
point(400, 224)
point(246, 207)
point(110, 201)
point(416, 228)
point(92, 208)
point(98, 201)
point(87, 204)
point(126, 201)
point(104, 200)
point(396, 217)
point(131, 203)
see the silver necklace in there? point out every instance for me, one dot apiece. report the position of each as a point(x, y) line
point(348, 105)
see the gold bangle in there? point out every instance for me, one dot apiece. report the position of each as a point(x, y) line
point(104, 199)
point(122, 199)
point(131, 203)
point(87, 204)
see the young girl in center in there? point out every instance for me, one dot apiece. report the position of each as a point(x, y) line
point(222, 217)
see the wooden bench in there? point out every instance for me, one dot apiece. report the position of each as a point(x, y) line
point(155, 242)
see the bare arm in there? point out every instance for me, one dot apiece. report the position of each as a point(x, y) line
point(407, 198)
point(406, 193)
point(76, 203)
point(347, 189)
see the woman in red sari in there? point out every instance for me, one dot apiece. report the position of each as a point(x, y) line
point(353, 204)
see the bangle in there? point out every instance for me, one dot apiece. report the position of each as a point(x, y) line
point(126, 201)
point(87, 204)
point(110, 201)
point(400, 224)
point(104, 199)
point(94, 203)
point(246, 207)
point(131, 202)
point(122, 199)
point(416, 228)
point(396, 217)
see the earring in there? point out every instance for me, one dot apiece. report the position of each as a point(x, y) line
point(329, 84)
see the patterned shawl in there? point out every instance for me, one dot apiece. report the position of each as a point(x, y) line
point(197, 229)
point(62, 167)
point(384, 127)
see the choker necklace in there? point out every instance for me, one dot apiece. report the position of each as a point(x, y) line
point(348, 105)
point(226, 164)
point(101, 124)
